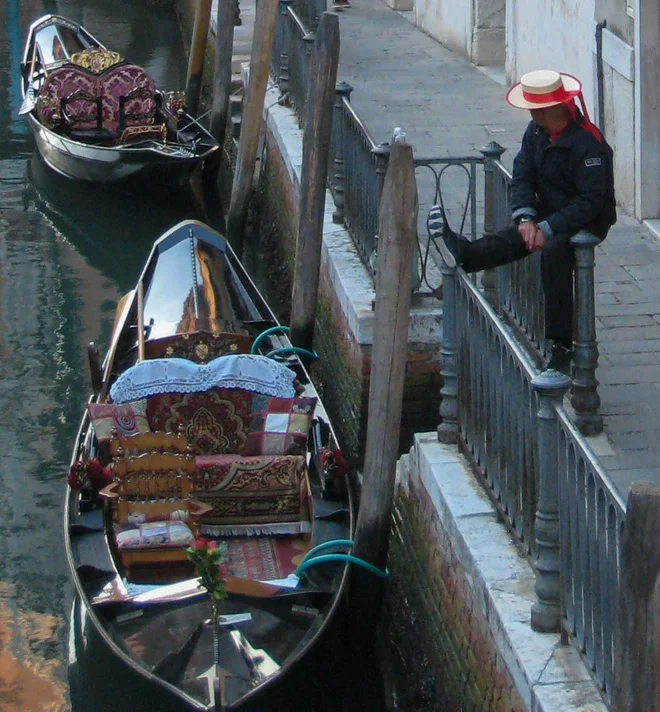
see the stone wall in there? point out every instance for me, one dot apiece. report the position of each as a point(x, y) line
point(460, 596)
point(431, 608)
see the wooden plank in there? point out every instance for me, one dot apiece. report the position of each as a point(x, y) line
point(313, 179)
point(262, 47)
point(396, 246)
point(637, 656)
point(197, 52)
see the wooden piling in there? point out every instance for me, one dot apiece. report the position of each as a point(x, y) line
point(637, 653)
point(197, 52)
point(262, 48)
point(396, 246)
point(224, 44)
point(313, 179)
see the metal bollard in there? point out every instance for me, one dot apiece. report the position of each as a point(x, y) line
point(585, 399)
point(491, 153)
point(546, 612)
point(448, 428)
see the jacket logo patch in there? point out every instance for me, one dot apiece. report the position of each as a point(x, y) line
point(592, 162)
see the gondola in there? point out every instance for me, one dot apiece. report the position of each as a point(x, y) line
point(100, 119)
point(201, 386)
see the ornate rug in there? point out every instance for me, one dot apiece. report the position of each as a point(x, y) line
point(263, 559)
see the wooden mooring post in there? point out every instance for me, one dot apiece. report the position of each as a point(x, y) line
point(224, 44)
point(637, 652)
point(396, 246)
point(262, 48)
point(197, 52)
point(313, 179)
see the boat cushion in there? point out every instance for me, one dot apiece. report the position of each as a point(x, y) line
point(61, 83)
point(151, 535)
point(279, 426)
point(214, 422)
point(127, 419)
point(121, 81)
point(179, 375)
point(251, 490)
point(125, 84)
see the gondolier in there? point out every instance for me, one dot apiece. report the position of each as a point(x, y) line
point(562, 183)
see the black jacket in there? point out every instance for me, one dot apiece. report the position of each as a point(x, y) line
point(569, 183)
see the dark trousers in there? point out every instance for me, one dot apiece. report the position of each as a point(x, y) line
point(557, 265)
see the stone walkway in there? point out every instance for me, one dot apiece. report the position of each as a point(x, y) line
point(448, 107)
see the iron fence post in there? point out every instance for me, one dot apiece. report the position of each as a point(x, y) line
point(546, 612)
point(448, 428)
point(343, 91)
point(382, 155)
point(585, 399)
point(283, 63)
point(491, 152)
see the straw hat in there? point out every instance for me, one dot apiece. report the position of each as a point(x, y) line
point(543, 88)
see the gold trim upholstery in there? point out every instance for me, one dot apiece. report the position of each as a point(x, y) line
point(95, 59)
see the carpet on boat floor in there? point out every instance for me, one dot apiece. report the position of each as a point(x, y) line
point(263, 559)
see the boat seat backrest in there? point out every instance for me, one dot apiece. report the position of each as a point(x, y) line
point(127, 89)
point(153, 477)
point(63, 84)
point(199, 346)
point(146, 443)
point(126, 93)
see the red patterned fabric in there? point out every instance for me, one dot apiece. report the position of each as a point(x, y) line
point(251, 490)
point(279, 426)
point(61, 83)
point(116, 82)
point(119, 81)
point(127, 419)
point(215, 421)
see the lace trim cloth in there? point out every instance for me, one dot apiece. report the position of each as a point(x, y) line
point(177, 375)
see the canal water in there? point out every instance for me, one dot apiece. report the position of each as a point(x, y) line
point(67, 253)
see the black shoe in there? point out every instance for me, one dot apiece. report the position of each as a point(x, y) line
point(451, 244)
point(560, 360)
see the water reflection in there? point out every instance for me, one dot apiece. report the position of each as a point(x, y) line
point(67, 252)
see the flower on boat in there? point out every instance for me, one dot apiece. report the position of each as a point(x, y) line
point(208, 557)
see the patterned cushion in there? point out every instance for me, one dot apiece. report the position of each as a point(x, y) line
point(152, 535)
point(61, 83)
point(215, 421)
point(119, 81)
point(128, 418)
point(279, 426)
point(251, 490)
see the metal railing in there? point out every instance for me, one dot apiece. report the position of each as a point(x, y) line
point(538, 469)
point(292, 51)
point(356, 171)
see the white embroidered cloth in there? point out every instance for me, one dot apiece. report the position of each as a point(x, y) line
point(178, 375)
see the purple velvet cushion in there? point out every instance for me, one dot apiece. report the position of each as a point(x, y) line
point(118, 82)
point(60, 84)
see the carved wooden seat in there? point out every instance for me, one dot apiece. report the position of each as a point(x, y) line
point(154, 515)
point(145, 443)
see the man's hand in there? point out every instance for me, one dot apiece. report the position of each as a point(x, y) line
point(533, 237)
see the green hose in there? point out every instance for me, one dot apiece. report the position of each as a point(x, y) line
point(293, 350)
point(326, 545)
point(348, 558)
point(279, 329)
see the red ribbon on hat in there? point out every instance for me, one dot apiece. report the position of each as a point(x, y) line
point(565, 97)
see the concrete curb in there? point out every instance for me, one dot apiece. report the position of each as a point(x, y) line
point(548, 676)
